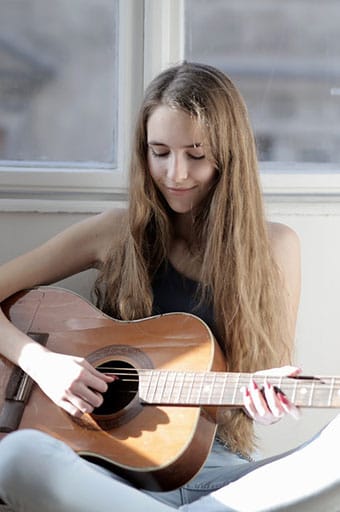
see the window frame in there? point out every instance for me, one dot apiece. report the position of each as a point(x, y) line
point(295, 181)
point(77, 188)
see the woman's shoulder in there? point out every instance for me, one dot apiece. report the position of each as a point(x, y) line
point(111, 218)
point(109, 228)
point(101, 226)
point(282, 235)
point(285, 244)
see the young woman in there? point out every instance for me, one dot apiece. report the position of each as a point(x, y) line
point(194, 238)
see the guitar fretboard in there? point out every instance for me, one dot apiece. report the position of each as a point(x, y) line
point(225, 389)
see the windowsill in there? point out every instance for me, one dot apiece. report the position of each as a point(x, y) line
point(53, 205)
point(53, 189)
point(307, 180)
point(93, 190)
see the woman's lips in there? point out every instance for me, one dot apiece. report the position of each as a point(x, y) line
point(177, 190)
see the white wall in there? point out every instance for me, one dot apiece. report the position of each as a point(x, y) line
point(317, 222)
point(22, 231)
point(318, 335)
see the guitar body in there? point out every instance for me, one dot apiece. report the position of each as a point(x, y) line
point(156, 447)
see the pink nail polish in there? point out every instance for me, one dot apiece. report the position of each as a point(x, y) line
point(283, 398)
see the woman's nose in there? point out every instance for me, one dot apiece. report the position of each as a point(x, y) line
point(177, 169)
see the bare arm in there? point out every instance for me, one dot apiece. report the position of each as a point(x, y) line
point(267, 406)
point(78, 248)
point(286, 250)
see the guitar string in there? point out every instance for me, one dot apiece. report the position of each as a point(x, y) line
point(239, 383)
point(288, 383)
point(212, 374)
point(221, 373)
point(222, 386)
point(229, 376)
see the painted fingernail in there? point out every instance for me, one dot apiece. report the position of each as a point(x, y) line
point(254, 384)
point(283, 398)
point(245, 391)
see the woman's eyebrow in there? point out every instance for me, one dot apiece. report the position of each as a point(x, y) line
point(194, 145)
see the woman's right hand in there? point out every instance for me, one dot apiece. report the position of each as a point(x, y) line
point(70, 382)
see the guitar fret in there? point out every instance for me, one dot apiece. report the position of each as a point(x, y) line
point(161, 386)
point(180, 388)
point(170, 382)
point(172, 377)
point(145, 376)
point(207, 389)
point(189, 377)
point(212, 388)
point(204, 389)
point(200, 389)
point(331, 389)
point(236, 385)
point(310, 401)
point(185, 388)
point(221, 388)
point(294, 391)
point(192, 394)
point(164, 395)
point(155, 384)
point(224, 381)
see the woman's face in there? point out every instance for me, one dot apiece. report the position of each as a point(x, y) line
point(177, 158)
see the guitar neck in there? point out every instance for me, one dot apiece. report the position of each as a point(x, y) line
point(162, 387)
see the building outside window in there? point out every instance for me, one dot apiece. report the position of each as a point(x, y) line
point(58, 81)
point(72, 76)
point(284, 57)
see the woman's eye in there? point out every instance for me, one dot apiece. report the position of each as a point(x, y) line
point(159, 155)
point(195, 157)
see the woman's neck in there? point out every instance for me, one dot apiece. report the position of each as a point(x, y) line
point(183, 227)
point(182, 254)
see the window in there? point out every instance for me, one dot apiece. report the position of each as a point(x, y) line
point(68, 139)
point(284, 57)
point(70, 74)
point(58, 81)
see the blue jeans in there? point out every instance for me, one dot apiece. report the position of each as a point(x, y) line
point(221, 467)
point(40, 473)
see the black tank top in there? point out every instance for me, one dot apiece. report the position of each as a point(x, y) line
point(173, 292)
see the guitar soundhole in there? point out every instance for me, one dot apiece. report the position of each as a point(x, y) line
point(121, 391)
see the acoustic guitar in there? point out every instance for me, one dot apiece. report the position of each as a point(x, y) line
point(159, 417)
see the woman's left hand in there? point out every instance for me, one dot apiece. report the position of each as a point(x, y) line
point(268, 405)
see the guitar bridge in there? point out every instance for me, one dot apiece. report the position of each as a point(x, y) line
point(17, 393)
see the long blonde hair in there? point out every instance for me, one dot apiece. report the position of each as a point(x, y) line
point(237, 266)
